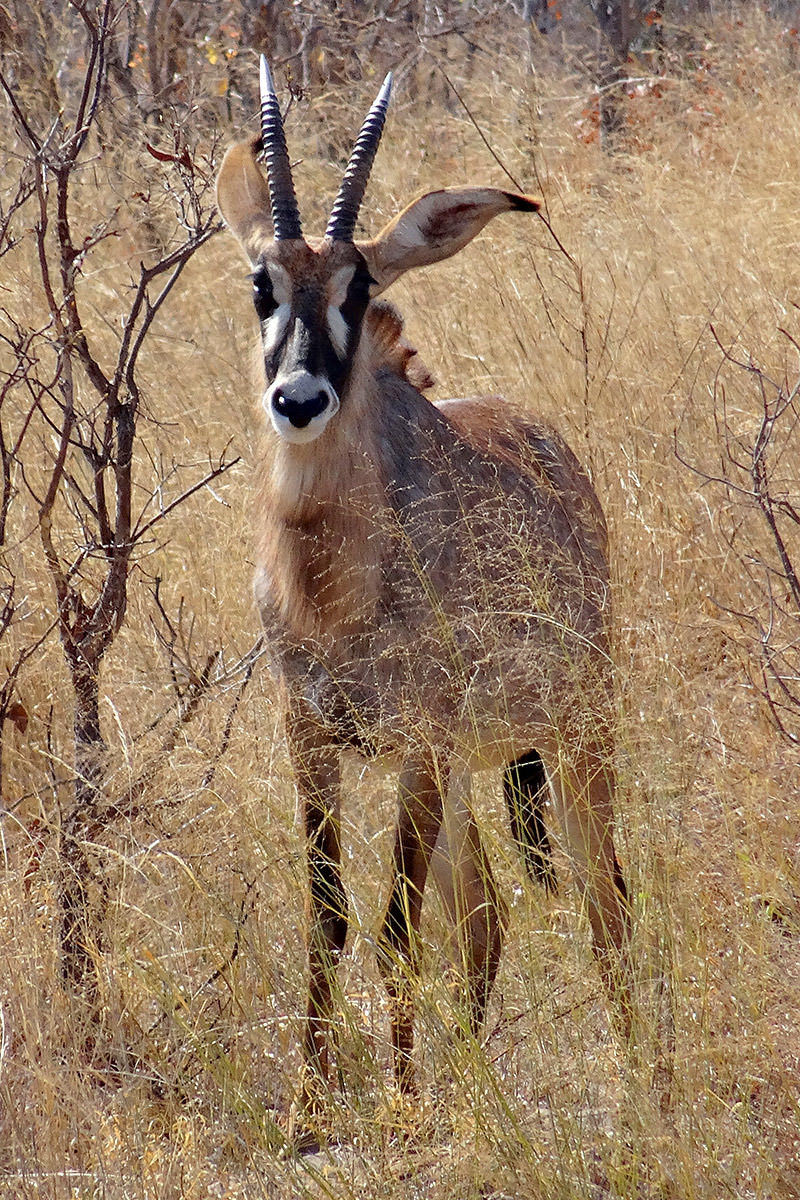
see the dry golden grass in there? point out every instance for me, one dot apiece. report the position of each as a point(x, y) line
point(692, 224)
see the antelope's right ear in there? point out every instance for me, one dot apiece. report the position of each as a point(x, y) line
point(243, 197)
point(434, 227)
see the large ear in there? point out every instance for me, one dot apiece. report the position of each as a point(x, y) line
point(434, 227)
point(243, 197)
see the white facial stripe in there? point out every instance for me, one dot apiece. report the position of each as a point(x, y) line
point(337, 328)
point(340, 282)
point(273, 329)
point(337, 294)
point(281, 283)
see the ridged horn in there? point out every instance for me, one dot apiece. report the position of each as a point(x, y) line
point(282, 199)
point(344, 214)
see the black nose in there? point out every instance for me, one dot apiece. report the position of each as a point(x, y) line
point(300, 412)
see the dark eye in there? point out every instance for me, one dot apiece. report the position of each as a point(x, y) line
point(263, 298)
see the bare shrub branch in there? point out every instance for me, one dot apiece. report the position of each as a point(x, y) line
point(758, 477)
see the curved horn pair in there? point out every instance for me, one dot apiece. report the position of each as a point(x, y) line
point(283, 202)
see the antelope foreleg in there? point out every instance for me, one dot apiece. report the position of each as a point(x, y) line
point(317, 773)
point(418, 824)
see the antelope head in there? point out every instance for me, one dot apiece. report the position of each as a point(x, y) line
point(311, 297)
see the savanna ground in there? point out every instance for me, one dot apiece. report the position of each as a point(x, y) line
point(644, 322)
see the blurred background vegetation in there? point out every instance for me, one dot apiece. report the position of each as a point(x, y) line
point(152, 904)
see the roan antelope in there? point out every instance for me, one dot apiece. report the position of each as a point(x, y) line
point(432, 579)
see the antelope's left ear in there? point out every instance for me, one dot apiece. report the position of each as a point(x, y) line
point(434, 227)
point(243, 197)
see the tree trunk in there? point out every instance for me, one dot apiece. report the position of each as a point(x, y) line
point(81, 907)
point(613, 17)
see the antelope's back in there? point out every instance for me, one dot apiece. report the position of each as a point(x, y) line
point(508, 521)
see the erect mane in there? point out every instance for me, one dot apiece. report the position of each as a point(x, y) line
point(385, 329)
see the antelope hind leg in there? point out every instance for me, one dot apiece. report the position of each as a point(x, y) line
point(477, 913)
point(583, 787)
